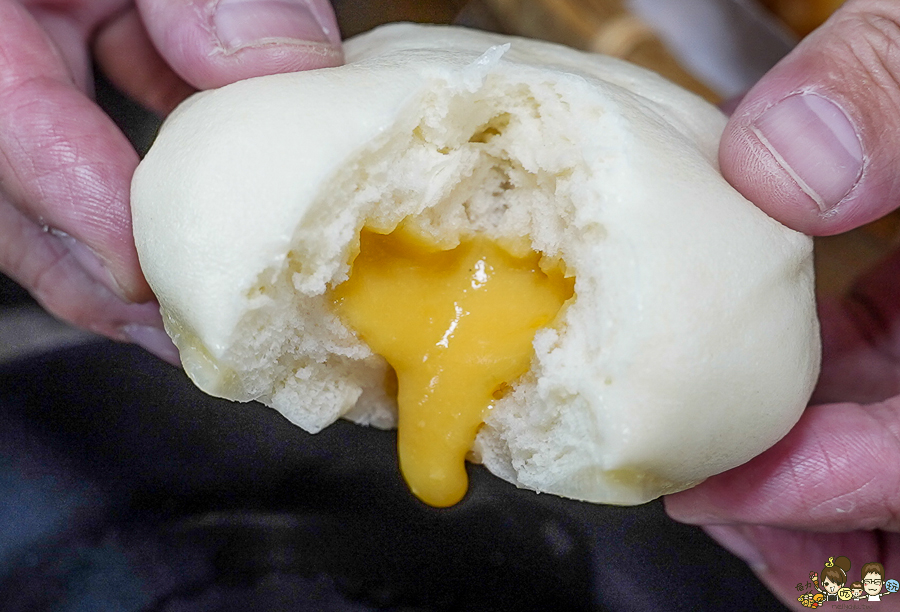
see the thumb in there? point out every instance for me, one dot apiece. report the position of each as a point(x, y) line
point(816, 143)
point(211, 43)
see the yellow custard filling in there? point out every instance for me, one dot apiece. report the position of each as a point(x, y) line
point(457, 326)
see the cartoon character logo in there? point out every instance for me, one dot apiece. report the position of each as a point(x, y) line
point(834, 576)
point(830, 584)
point(873, 580)
point(811, 601)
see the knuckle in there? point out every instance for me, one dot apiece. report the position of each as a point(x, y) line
point(44, 267)
point(871, 38)
point(48, 288)
point(885, 416)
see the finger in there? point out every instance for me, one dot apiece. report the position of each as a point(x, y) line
point(861, 339)
point(51, 266)
point(836, 470)
point(783, 559)
point(123, 43)
point(62, 161)
point(210, 43)
point(68, 38)
point(815, 142)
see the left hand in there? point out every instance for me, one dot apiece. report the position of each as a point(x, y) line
point(65, 168)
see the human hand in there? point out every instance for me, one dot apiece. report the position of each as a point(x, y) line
point(816, 144)
point(65, 169)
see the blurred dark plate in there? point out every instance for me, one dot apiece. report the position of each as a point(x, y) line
point(126, 488)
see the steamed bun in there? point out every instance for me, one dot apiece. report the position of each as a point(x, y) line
point(690, 344)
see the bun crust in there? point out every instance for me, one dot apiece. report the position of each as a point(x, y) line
point(691, 344)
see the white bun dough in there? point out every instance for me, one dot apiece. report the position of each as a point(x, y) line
point(691, 344)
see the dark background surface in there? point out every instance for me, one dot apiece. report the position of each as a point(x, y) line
point(125, 488)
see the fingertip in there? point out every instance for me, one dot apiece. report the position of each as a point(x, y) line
point(211, 43)
point(241, 24)
point(813, 144)
point(800, 158)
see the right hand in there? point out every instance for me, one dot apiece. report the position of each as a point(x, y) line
point(816, 145)
point(65, 169)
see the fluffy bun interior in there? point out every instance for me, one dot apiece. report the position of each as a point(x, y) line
point(494, 161)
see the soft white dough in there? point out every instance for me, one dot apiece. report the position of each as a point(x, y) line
point(691, 344)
